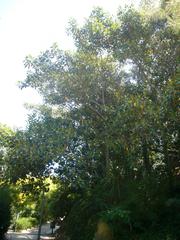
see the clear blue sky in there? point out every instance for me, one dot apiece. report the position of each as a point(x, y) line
point(28, 27)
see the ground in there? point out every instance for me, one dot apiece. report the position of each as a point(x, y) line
point(31, 234)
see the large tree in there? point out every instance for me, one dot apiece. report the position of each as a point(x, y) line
point(116, 83)
point(113, 118)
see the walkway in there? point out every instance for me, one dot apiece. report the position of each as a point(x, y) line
point(31, 234)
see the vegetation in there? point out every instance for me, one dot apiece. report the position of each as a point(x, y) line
point(5, 191)
point(108, 132)
point(5, 210)
point(25, 223)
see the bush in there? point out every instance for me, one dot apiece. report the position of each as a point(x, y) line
point(5, 210)
point(25, 223)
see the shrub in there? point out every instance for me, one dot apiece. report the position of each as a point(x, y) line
point(25, 223)
point(5, 210)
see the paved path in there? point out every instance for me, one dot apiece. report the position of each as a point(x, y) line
point(21, 236)
point(30, 234)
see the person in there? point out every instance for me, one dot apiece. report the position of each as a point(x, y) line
point(52, 225)
point(14, 227)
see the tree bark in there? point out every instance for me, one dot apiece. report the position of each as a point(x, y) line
point(168, 165)
point(146, 160)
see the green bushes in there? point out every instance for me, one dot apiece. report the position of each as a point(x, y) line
point(5, 210)
point(142, 212)
point(25, 223)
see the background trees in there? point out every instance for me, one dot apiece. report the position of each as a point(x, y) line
point(5, 193)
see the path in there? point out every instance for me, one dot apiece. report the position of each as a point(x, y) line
point(30, 234)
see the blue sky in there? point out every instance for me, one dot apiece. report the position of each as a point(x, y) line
point(28, 27)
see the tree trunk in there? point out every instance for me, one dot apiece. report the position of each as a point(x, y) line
point(168, 165)
point(146, 160)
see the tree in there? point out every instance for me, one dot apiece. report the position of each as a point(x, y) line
point(5, 193)
point(100, 59)
point(112, 122)
point(5, 136)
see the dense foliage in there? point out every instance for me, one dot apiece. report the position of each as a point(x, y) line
point(109, 127)
point(5, 210)
point(25, 223)
point(5, 192)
